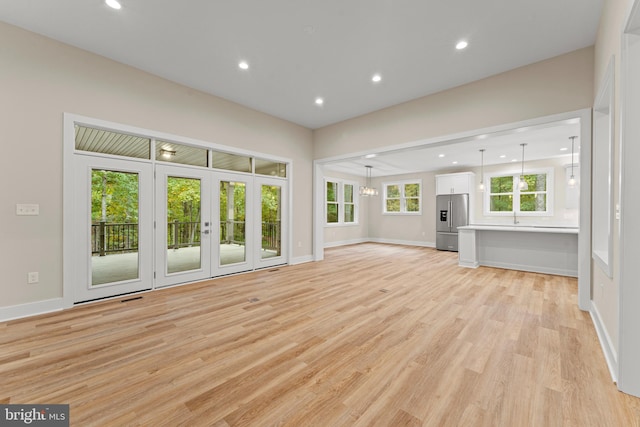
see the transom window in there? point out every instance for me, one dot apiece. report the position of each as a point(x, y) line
point(403, 197)
point(341, 203)
point(530, 194)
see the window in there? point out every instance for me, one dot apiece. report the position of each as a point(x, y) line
point(341, 203)
point(402, 197)
point(506, 196)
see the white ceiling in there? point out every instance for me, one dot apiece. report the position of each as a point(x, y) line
point(544, 141)
point(299, 50)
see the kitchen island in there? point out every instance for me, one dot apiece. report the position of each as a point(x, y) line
point(542, 249)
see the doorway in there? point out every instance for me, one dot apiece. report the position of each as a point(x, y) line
point(144, 213)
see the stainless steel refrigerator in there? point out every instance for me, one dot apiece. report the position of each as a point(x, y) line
point(452, 211)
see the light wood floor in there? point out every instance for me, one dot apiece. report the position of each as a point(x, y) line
point(375, 335)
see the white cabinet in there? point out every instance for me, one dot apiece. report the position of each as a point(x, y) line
point(455, 183)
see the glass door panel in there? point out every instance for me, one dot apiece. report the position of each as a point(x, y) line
point(233, 251)
point(271, 228)
point(114, 226)
point(114, 217)
point(183, 225)
point(271, 209)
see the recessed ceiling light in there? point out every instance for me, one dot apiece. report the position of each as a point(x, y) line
point(441, 155)
point(319, 101)
point(564, 149)
point(370, 156)
point(376, 78)
point(455, 162)
point(461, 44)
point(485, 136)
point(514, 160)
point(114, 4)
point(243, 65)
point(502, 156)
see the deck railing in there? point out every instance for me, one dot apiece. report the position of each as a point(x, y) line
point(108, 238)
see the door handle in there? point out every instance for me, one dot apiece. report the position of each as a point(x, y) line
point(205, 232)
point(450, 211)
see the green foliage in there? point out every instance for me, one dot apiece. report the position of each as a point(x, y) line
point(270, 203)
point(393, 205)
point(332, 191)
point(183, 199)
point(332, 212)
point(502, 184)
point(114, 196)
point(502, 203)
point(412, 190)
point(239, 200)
point(393, 192)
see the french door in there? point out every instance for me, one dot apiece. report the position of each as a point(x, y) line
point(271, 233)
point(183, 225)
point(233, 207)
point(204, 224)
point(112, 239)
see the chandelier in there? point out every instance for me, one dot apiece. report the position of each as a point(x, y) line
point(368, 190)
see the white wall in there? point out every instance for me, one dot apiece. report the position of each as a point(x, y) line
point(606, 290)
point(557, 85)
point(41, 79)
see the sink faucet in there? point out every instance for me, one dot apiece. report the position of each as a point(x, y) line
point(515, 220)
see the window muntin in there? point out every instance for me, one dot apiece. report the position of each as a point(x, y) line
point(341, 202)
point(505, 196)
point(402, 197)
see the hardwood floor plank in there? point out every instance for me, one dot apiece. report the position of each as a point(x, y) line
point(374, 335)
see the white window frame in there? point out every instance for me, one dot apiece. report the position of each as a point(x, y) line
point(403, 198)
point(486, 205)
point(341, 202)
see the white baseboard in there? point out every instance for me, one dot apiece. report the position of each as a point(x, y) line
point(533, 269)
point(345, 242)
point(403, 242)
point(610, 353)
point(30, 309)
point(301, 259)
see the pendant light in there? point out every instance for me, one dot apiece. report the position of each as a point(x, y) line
point(572, 179)
point(522, 185)
point(367, 190)
point(481, 186)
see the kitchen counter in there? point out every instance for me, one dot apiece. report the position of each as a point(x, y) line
point(542, 249)
point(522, 228)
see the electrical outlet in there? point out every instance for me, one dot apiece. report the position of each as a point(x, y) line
point(33, 277)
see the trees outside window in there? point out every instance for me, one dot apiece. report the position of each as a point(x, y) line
point(505, 196)
point(402, 197)
point(341, 202)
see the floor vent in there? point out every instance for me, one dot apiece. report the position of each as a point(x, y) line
point(254, 299)
point(131, 299)
point(384, 291)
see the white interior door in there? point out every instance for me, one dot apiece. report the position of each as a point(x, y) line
point(233, 213)
point(114, 234)
point(183, 225)
point(271, 224)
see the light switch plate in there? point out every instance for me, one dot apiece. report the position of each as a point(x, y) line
point(27, 209)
